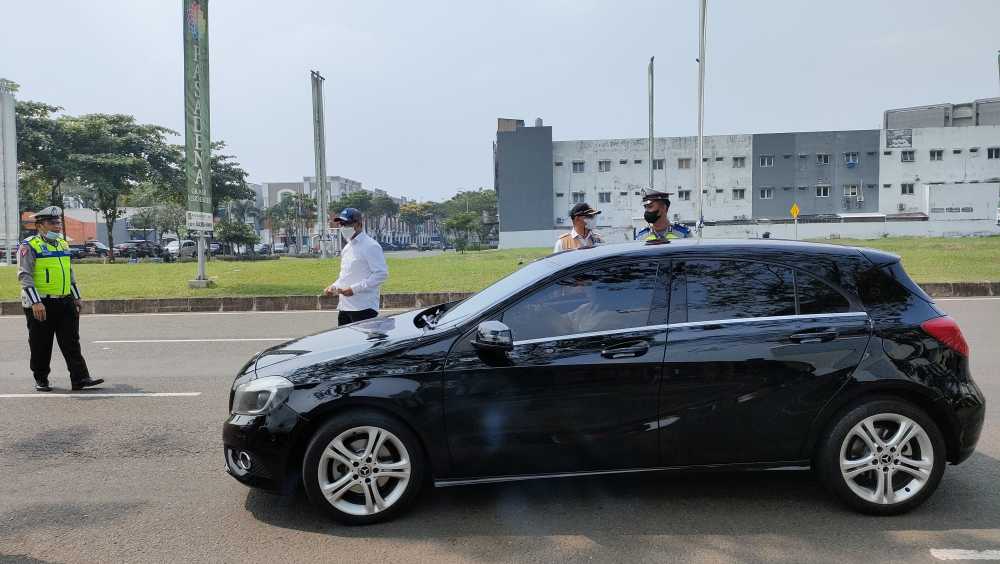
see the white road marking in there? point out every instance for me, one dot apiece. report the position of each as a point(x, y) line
point(964, 554)
point(105, 395)
point(391, 311)
point(980, 299)
point(282, 339)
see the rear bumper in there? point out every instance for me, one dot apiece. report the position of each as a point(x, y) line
point(257, 450)
point(970, 413)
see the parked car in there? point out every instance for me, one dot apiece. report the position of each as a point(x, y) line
point(280, 248)
point(183, 248)
point(77, 251)
point(97, 249)
point(138, 247)
point(623, 358)
point(262, 249)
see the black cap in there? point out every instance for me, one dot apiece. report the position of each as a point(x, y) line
point(348, 215)
point(583, 208)
point(654, 196)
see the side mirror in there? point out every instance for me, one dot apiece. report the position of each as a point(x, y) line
point(493, 336)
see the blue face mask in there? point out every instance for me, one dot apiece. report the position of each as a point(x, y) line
point(53, 237)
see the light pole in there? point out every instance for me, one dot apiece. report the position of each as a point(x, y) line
point(319, 146)
point(701, 117)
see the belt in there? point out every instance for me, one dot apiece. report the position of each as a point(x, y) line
point(54, 297)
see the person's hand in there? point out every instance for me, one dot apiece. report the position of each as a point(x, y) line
point(79, 306)
point(330, 290)
point(38, 310)
point(347, 292)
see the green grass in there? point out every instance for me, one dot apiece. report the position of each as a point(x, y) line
point(941, 259)
point(289, 276)
point(926, 259)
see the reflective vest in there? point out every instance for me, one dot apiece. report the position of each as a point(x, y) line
point(676, 231)
point(51, 267)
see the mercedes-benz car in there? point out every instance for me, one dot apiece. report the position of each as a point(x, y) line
point(623, 358)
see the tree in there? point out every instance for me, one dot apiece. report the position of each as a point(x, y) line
point(461, 226)
point(360, 200)
point(229, 180)
point(44, 145)
point(115, 154)
point(296, 214)
point(234, 233)
point(145, 219)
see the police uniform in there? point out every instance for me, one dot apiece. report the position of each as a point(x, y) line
point(673, 230)
point(573, 240)
point(46, 277)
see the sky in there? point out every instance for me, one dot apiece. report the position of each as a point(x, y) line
point(414, 88)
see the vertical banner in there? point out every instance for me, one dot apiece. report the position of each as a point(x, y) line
point(197, 139)
point(10, 224)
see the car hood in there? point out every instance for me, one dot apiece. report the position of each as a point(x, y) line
point(344, 344)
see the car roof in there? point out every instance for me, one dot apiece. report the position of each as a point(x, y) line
point(737, 247)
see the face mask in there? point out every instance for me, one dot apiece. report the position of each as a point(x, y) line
point(651, 216)
point(589, 222)
point(53, 236)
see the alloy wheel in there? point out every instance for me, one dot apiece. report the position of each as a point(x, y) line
point(886, 458)
point(364, 470)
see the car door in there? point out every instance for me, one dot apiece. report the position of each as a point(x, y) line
point(579, 390)
point(754, 350)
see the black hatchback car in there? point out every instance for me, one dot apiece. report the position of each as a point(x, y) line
point(623, 358)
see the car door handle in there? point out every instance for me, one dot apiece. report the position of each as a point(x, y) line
point(632, 350)
point(818, 337)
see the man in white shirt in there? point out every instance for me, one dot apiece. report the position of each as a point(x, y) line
point(582, 235)
point(362, 271)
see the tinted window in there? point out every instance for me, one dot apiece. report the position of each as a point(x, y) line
point(499, 291)
point(817, 297)
point(730, 289)
point(605, 299)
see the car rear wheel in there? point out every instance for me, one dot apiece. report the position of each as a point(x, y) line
point(363, 467)
point(883, 457)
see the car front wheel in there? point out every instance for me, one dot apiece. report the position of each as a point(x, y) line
point(363, 467)
point(883, 457)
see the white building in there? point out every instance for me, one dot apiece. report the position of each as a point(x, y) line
point(338, 186)
point(936, 156)
point(611, 174)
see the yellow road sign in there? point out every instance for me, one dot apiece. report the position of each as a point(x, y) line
point(795, 211)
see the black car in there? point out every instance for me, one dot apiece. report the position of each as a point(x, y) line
point(138, 248)
point(623, 358)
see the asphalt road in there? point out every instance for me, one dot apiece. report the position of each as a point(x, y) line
point(140, 479)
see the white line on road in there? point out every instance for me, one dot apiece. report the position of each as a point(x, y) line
point(390, 311)
point(982, 299)
point(964, 554)
point(282, 339)
point(107, 395)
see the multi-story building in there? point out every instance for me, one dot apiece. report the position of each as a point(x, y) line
point(338, 186)
point(824, 172)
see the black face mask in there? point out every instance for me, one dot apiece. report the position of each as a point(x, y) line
point(651, 216)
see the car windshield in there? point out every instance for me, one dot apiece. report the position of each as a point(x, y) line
point(499, 291)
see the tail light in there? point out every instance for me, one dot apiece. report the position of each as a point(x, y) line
point(946, 331)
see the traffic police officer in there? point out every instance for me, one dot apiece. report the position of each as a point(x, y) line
point(656, 205)
point(51, 301)
point(582, 235)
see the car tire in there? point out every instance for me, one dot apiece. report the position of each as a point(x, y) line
point(882, 457)
point(341, 477)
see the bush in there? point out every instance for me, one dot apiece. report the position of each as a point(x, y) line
point(240, 258)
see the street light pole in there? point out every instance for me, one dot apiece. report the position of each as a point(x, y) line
point(701, 118)
point(650, 80)
point(319, 146)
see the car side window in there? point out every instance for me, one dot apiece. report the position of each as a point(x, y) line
point(733, 289)
point(604, 299)
point(816, 296)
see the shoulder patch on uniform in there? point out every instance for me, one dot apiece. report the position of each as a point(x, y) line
point(24, 250)
point(683, 228)
point(565, 236)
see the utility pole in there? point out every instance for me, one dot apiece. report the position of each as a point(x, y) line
point(319, 146)
point(650, 79)
point(701, 118)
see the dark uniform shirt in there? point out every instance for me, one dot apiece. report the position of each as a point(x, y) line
point(673, 231)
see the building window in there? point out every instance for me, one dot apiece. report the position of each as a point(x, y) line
point(966, 210)
point(719, 159)
point(973, 150)
point(684, 195)
point(956, 151)
point(623, 193)
point(683, 163)
point(603, 166)
point(560, 194)
point(657, 164)
point(870, 153)
point(637, 161)
point(906, 189)
point(788, 155)
point(870, 186)
point(577, 166)
point(558, 163)
point(851, 158)
point(822, 191)
point(850, 190)
point(993, 153)
point(604, 197)
point(766, 161)
point(937, 154)
point(578, 197)
point(906, 156)
point(623, 161)
point(739, 193)
point(822, 159)
point(887, 185)
point(887, 153)
point(803, 187)
point(739, 162)
point(767, 193)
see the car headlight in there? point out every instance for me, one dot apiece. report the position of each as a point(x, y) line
point(260, 396)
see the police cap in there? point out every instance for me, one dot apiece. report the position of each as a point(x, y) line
point(51, 212)
point(649, 196)
point(582, 208)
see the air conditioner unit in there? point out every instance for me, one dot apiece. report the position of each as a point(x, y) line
point(559, 220)
point(861, 198)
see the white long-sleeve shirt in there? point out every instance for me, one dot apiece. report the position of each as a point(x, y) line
point(362, 269)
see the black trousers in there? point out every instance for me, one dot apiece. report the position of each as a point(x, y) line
point(63, 322)
point(345, 317)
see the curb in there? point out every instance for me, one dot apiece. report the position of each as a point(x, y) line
point(389, 301)
point(257, 303)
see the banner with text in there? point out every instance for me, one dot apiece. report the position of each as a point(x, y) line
point(197, 138)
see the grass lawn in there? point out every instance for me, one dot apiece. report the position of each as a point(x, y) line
point(926, 259)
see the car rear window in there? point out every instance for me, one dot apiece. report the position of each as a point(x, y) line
point(730, 289)
point(816, 296)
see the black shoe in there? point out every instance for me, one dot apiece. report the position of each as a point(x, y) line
point(42, 387)
point(87, 383)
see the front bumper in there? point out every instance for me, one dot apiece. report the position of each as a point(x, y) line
point(258, 449)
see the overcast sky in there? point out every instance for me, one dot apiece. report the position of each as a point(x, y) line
point(414, 88)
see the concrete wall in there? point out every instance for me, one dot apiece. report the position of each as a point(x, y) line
point(857, 230)
point(524, 179)
point(628, 174)
point(962, 168)
point(797, 173)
